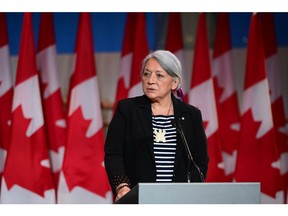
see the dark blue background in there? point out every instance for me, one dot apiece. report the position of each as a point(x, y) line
point(108, 30)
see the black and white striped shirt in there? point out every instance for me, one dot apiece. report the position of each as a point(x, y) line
point(164, 147)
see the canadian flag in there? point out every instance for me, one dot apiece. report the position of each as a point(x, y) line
point(83, 178)
point(135, 48)
point(27, 175)
point(276, 95)
point(174, 43)
point(226, 95)
point(202, 96)
point(257, 151)
point(51, 93)
point(126, 59)
point(6, 93)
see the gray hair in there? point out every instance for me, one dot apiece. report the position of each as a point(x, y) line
point(168, 61)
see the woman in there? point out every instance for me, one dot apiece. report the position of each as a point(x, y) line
point(142, 143)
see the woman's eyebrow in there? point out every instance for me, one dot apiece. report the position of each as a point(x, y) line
point(157, 71)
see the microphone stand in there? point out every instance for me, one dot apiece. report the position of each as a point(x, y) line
point(188, 152)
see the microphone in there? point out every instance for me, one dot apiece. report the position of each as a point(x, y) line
point(178, 126)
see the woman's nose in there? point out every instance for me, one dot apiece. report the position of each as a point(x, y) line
point(152, 78)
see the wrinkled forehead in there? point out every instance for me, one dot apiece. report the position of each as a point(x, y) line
point(152, 65)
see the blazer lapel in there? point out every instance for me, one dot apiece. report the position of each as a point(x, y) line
point(145, 116)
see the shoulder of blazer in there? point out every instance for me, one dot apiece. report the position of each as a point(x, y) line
point(143, 101)
point(131, 103)
point(181, 107)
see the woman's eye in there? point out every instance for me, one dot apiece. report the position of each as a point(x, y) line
point(146, 74)
point(159, 76)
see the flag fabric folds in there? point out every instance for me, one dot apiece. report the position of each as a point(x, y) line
point(257, 151)
point(276, 96)
point(27, 174)
point(202, 96)
point(6, 93)
point(53, 152)
point(123, 82)
point(226, 95)
point(55, 123)
point(134, 49)
point(83, 178)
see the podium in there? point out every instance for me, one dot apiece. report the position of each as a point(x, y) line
point(193, 193)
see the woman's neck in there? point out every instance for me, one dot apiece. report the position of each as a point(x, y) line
point(162, 108)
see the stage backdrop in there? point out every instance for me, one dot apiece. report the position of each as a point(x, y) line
point(108, 33)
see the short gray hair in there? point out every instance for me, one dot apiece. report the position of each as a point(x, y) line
point(168, 61)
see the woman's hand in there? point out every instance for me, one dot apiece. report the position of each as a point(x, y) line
point(121, 190)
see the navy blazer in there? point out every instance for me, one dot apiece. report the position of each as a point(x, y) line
point(129, 153)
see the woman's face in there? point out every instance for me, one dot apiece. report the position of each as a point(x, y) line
point(157, 84)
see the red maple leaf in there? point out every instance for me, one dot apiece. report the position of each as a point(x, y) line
point(279, 122)
point(215, 173)
point(52, 107)
point(227, 116)
point(53, 111)
point(83, 163)
point(23, 166)
point(255, 156)
point(248, 166)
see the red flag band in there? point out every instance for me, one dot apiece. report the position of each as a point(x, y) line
point(27, 175)
point(202, 96)
point(257, 150)
point(83, 178)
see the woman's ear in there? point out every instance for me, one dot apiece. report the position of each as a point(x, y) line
point(175, 84)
